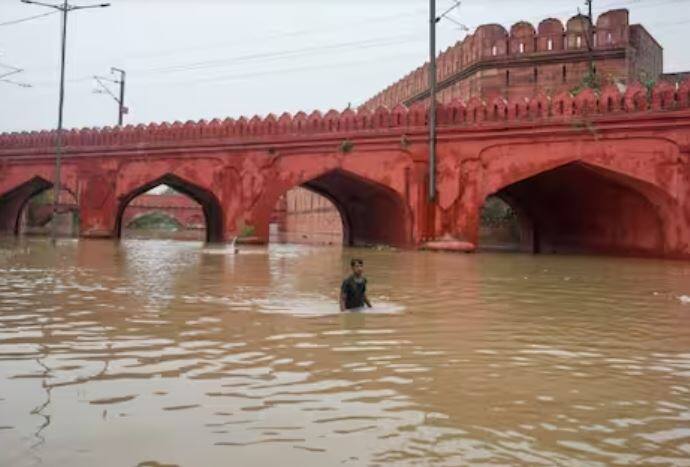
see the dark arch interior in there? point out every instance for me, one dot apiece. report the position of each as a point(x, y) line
point(304, 216)
point(29, 209)
point(370, 213)
point(499, 227)
point(210, 205)
point(577, 208)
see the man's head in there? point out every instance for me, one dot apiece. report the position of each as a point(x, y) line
point(357, 266)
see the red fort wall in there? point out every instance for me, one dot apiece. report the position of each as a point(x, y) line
point(526, 61)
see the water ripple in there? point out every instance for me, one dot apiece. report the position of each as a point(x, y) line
point(495, 359)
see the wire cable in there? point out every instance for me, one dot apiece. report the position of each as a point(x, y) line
point(22, 20)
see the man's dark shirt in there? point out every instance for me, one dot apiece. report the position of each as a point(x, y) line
point(354, 292)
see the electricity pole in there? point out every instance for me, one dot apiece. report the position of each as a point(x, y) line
point(121, 102)
point(590, 38)
point(64, 8)
point(433, 19)
point(121, 108)
point(432, 100)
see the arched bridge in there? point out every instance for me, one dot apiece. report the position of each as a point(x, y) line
point(597, 172)
point(181, 209)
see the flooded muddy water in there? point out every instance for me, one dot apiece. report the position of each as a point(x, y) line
point(170, 353)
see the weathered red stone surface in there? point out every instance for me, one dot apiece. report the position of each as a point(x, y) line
point(605, 172)
point(525, 60)
point(302, 216)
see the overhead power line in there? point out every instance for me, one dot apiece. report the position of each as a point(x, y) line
point(120, 98)
point(271, 36)
point(273, 72)
point(23, 20)
point(282, 54)
point(8, 71)
point(261, 58)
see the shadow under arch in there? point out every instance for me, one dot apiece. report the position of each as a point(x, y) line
point(498, 234)
point(371, 213)
point(583, 208)
point(14, 202)
point(213, 213)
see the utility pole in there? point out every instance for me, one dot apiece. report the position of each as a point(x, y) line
point(590, 38)
point(103, 89)
point(433, 19)
point(432, 100)
point(121, 107)
point(64, 8)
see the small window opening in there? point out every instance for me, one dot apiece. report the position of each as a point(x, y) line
point(565, 73)
point(578, 41)
point(549, 44)
point(494, 50)
point(522, 47)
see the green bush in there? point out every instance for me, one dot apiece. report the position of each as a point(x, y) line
point(155, 221)
point(247, 231)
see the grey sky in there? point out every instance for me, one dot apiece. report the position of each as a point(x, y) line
point(226, 58)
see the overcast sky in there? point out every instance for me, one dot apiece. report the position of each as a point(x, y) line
point(193, 59)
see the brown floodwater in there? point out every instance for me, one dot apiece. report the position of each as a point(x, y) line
point(167, 353)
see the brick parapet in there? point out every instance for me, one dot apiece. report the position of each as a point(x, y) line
point(479, 64)
point(474, 113)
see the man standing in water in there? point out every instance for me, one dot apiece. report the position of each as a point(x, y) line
point(353, 291)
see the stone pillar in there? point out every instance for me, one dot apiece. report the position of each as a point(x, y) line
point(98, 207)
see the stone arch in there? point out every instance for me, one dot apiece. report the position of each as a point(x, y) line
point(371, 212)
point(590, 197)
point(213, 213)
point(526, 235)
point(14, 202)
point(342, 215)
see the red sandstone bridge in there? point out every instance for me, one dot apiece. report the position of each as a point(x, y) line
point(181, 209)
point(598, 172)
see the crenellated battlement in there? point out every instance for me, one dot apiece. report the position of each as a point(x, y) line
point(637, 99)
point(536, 56)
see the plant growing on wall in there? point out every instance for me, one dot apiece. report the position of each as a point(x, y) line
point(589, 81)
point(346, 146)
point(405, 142)
point(647, 82)
point(247, 231)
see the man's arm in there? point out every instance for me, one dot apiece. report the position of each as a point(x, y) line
point(365, 298)
point(343, 295)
